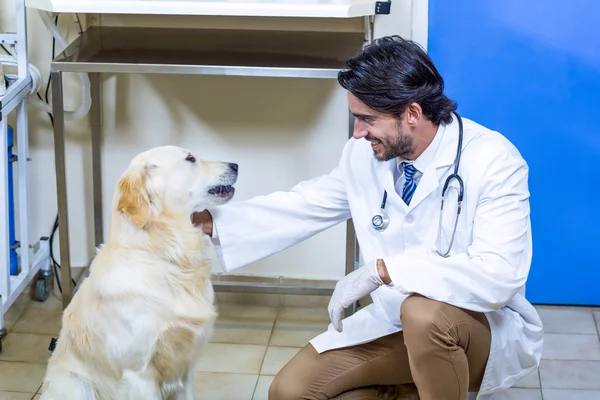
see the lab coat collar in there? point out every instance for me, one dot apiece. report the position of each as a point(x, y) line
point(446, 152)
point(442, 152)
point(423, 162)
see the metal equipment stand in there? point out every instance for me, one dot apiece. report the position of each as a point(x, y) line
point(125, 50)
point(15, 99)
point(129, 50)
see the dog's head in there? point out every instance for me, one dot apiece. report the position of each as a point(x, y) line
point(170, 182)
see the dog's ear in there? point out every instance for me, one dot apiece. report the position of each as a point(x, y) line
point(134, 200)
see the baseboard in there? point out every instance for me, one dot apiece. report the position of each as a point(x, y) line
point(273, 300)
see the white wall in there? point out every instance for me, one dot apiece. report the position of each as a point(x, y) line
point(280, 131)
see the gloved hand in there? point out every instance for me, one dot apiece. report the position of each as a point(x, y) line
point(352, 288)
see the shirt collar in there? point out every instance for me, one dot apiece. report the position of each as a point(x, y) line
point(424, 160)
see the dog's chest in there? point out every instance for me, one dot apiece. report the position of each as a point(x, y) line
point(174, 350)
point(191, 294)
point(189, 323)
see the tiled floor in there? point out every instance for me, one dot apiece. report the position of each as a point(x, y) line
point(252, 342)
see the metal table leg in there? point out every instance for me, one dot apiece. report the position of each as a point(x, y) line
point(61, 185)
point(96, 120)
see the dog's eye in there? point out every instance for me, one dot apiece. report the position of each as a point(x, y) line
point(191, 158)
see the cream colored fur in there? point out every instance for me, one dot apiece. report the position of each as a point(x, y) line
point(134, 328)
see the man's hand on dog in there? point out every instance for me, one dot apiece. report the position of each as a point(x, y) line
point(204, 221)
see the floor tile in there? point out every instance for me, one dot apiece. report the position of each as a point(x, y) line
point(244, 324)
point(53, 302)
point(15, 396)
point(559, 374)
point(262, 387)
point(21, 377)
point(296, 326)
point(26, 347)
point(303, 314)
point(530, 381)
point(39, 319)
point(16, 310)
point(231, 358)
point(218, 386)
point(597, 318)
point(559, 346)
point(567, 320)
point(520, 394)
point(555, 394)
point(276, 358)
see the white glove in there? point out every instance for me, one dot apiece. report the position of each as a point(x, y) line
point(350, 289)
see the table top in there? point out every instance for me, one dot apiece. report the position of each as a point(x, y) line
point(255, 8)
point(210, 52)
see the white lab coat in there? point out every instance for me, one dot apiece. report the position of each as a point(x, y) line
point(486, 270)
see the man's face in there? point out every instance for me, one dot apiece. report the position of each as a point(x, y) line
point(385, 132)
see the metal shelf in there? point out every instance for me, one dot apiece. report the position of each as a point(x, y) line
point(229, 8)
point(209, 52)
point(229, 52)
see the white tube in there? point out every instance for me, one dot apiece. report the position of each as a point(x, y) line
point(37, 79)
point(36, 76)
point(86, 98)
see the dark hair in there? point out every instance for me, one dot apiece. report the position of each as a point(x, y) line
point(391, 73)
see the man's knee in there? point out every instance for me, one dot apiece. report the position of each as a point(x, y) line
point(296, 379)
point(284, 389)
point(421, 316)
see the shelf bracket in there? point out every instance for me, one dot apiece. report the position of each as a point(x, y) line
point(8, 38)
point(383, 7)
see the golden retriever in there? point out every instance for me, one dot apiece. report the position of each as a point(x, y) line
point(134, 328)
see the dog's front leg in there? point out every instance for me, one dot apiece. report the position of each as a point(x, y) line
point(187, 391)
point(139, 386)
point(188, 386)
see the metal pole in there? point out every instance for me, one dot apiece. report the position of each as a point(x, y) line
point(96, 120)
point(61, 185)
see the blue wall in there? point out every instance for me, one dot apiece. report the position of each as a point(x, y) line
point(531, 70)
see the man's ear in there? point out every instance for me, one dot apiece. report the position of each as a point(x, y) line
point(134, 200)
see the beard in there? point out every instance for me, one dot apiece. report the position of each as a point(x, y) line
point(401, 146)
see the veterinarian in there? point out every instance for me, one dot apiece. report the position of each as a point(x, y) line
point(448, 311)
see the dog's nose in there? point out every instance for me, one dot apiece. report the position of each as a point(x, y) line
point(233, 167)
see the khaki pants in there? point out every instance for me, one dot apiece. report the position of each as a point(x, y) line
point(442, 349)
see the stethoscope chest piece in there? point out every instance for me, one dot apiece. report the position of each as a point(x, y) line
point(380, 221)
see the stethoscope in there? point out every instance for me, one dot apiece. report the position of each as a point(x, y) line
point(381, 220)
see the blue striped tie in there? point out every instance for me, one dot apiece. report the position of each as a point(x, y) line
point(409, 184)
